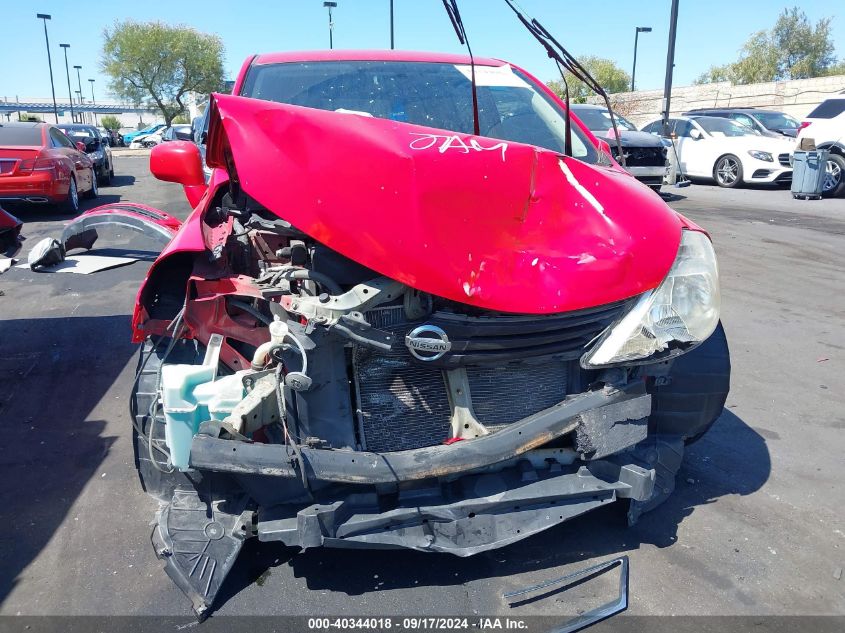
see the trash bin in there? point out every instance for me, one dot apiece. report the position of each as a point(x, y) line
point(808, 170)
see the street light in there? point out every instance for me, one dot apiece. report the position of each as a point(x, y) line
point(330, 6)
point(79, 83)
point(93, 101)
point(69, 93)
point(45, 17)
point(640, 29)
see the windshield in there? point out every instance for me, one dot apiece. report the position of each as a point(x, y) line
point(777, 121)
point(598, 119)
point(424, 93)
point(79, 134)
point(23, 136)
point(724, 127)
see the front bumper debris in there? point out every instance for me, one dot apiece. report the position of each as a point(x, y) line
point(464, 498)
point(604, 412)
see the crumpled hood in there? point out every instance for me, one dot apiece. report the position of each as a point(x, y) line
point(498, 225)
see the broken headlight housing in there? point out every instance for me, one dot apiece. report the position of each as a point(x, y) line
point(671, 319)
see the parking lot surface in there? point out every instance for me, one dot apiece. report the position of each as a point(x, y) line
point(755, 525)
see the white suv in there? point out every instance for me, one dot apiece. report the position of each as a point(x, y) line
point(826, 125)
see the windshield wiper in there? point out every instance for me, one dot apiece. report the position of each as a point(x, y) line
point(455, 17)
point(566, 62)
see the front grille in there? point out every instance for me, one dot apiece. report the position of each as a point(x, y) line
point(645, 156)
point(515, 366)
point(505, 394)
point(783, 159)
point(401, 404)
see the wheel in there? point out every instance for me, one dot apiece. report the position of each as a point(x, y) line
point(834, 177)
point(728, 171)
point(71, 203)
point(107, 175)
point(655, 188)
point(156, 483)
point(95, 188)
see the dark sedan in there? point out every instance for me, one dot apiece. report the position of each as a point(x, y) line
point(98, 151)
point(645, 155)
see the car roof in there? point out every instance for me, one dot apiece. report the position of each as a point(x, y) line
point(745, 110)
point(23, 124)
point(372, 55)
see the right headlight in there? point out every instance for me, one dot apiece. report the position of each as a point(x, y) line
point(674, 317)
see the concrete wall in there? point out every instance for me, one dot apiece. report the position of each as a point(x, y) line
point(797, 97)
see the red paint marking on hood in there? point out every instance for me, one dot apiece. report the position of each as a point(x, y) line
point(494, 224)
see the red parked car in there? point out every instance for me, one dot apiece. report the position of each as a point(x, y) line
point(378, 329)
point(40, 164)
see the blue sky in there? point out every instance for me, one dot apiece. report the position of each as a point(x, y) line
point(709, 32)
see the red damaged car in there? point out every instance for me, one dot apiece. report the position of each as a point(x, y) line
point(380, 330)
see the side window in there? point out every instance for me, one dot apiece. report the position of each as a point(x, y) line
point(59, 139)
point(828, 109)
point(744, 119)
point(683, 128)
point(652, 128)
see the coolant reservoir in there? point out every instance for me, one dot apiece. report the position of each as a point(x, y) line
point(192, 394)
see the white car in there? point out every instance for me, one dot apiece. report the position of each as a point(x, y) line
point(729, 153)
point(826, 126)
point(147, 140)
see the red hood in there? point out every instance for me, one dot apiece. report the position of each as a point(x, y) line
point(498, 225)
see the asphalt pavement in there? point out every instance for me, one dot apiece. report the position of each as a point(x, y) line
point(755, 525)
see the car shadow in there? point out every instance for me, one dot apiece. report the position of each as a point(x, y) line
point(731, 459)
point(53, 373)
point(119, 180)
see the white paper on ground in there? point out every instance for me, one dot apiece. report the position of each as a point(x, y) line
point(6, 263)
point(85, 264)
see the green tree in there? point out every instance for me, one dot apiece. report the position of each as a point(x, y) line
point(608, 75)
point(159, 64)
point(110, 122)
point(793, 48)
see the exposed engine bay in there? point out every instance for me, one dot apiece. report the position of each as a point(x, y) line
point(306, 399)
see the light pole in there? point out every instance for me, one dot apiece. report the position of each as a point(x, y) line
point(69, 92)
point(45, 17)
point(79, 94)
point(391, 26)
point(330, 6)
point(93, 102)
point(670, 66)
point(640, 29)
point(79, 83)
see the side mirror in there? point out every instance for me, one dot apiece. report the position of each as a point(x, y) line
point(695, 134)
point(80, 146)
point(180, 162)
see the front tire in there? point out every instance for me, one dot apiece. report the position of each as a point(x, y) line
point(834, 179)
point(95, 188)
point(728, 171)
point(71, 203)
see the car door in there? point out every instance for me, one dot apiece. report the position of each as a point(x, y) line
point(693, 151)
point(83, 168)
